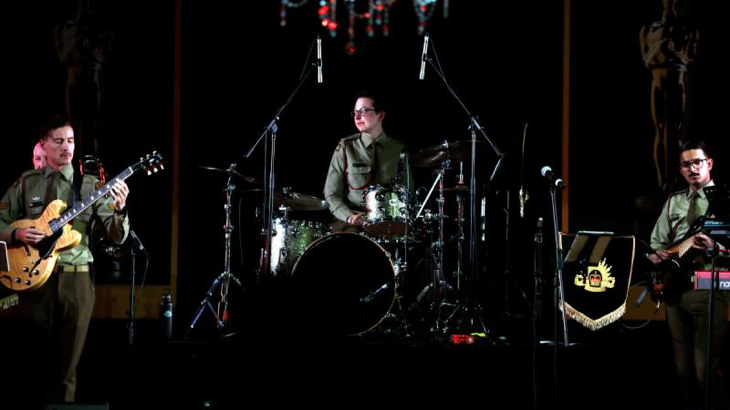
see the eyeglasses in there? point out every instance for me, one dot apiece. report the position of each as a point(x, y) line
point(361, 112)
point(697, 162)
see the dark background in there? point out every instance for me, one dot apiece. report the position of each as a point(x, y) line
point(503, 59)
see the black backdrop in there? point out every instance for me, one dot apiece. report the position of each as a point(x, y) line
point(503, 59)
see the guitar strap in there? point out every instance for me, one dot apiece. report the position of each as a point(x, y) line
point(76, 197)
point(78, 180)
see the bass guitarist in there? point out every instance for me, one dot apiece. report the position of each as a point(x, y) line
point(687, 309)
point(57, 314)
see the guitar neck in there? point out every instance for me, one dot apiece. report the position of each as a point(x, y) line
point(682, 247)
point(81, 206)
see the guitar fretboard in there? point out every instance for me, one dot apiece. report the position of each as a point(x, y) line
point(79, 207)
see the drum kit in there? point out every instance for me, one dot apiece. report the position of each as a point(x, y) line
point(366, 276)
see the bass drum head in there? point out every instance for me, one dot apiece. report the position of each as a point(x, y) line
point(348, 283)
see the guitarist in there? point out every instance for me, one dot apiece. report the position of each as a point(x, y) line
point(687, 311)
point(60, 310)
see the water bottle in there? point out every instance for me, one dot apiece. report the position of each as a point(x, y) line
point(166, 316)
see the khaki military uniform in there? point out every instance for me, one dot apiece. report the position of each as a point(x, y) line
point(62, 307)
point(687, 317)
point(354, 167)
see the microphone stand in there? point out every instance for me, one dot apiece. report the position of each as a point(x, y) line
point(474, 128)
point(136, 244)
point(269, 169)
point(710, 316)
point(558, 294)
point(132, 253)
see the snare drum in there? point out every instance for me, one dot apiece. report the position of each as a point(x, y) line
point(289, 240)
point(346, 279)
point(386, 210)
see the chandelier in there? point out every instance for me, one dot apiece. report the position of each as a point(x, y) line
point(376, 15)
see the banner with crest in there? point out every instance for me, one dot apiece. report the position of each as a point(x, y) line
point(597, 276)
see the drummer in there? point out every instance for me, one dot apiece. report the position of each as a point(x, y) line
point(368, 157)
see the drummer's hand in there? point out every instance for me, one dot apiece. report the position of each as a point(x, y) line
point(355, 219)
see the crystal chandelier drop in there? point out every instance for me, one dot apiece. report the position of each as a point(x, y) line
point(376, 15)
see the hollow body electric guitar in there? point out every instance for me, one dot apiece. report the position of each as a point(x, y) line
point(32, 265)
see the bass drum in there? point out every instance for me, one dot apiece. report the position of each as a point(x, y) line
point(348, 281)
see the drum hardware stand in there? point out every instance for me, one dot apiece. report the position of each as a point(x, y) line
point(269, 168)
point(437, 247)
point(474, 128)
point(460, 233)
point(221, 314)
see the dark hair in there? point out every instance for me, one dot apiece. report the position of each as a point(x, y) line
point(694, 144)
point(375, 97)
point(49, 124)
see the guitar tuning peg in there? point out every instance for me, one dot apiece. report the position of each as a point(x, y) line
point(155, 169)
point(154, 152)
point(149, 172)
point(141, 158)
point(162, 166)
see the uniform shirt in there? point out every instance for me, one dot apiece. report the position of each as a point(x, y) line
point(345, 198)
point(672, 223)
point(35, 189)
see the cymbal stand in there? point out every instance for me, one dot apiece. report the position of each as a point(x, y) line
point(460, 233)
point(437, 247)
point(221, 314)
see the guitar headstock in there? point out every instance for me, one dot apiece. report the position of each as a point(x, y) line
point(151, 163)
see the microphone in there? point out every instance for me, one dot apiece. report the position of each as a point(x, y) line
point(137, 242)
point(547, 172)
point(424, 57)
point(370, 296)
point(319, 59)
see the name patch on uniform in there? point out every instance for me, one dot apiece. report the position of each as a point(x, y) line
point(112, 207)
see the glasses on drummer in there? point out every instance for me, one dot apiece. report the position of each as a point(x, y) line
point(361, 112)
point(697, 162)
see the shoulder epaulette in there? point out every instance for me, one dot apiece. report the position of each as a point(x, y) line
point(683, 191)
point(344, 141)
point(32, 172)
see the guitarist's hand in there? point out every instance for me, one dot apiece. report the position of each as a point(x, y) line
point(119, 192)
point(661, 255)
point(702, 242)
point(30, 236)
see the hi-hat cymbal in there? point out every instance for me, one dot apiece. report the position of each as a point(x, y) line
point(294, 200)
point(235, 173)
point(455, 151)
point(457, 189)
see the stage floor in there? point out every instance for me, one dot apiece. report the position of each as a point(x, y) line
point(611, 368)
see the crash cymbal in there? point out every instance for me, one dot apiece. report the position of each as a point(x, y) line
point(235, 173)
point(455, 151)
point(294, 200)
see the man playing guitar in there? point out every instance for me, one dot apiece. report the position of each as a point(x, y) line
point(687, 309)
